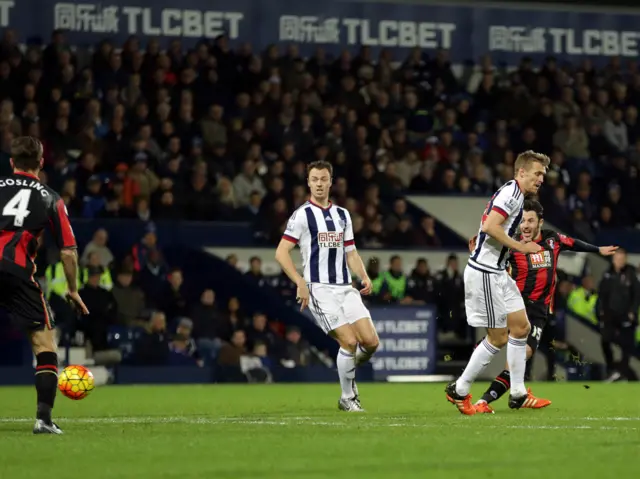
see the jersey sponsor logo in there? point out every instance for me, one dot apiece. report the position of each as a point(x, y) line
point(330, 239)
point(540, 260)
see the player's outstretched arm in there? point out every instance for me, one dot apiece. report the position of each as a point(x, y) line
point(66, 242)
point(492, 226)
point(355, 263)
point(579, 246)
point(69, 258)
point(283, 257)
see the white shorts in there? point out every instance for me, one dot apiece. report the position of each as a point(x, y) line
point(334, 305)
point(489, 297)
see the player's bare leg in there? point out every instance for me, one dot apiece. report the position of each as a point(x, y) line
point(501, 385)
point(44, 347)
point(346, 364)
point(458, 391)
point(519, 329)
point(368, 343)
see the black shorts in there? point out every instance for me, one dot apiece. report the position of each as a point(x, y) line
point(25, 303)
point(538, 315)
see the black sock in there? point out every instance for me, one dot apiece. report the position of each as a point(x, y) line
point(499, 386)
point(46, 383)
point(527, 369)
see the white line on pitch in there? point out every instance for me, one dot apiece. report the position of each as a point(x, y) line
point(300, 422)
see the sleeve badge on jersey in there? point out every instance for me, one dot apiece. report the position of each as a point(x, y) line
point(551, 243)
point(291, 224)
point(342, 223)
point(512, 203)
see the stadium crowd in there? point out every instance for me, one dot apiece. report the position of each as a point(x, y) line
point(222, 133)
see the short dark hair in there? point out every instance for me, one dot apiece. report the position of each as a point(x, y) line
point(26, 153)
point(320, 165)
point(535, 206)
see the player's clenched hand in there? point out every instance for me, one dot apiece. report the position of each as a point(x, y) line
point(472, 243)
point(531, 247)
point(76, 300)
point(302, 295)
point(366, 287)
point(608, 250)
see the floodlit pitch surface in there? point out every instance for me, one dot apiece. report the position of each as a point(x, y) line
point(296, 431)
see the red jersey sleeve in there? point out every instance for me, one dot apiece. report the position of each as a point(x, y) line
point(61, 226)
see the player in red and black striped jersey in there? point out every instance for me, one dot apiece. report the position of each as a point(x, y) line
point(535, 275)
point(27, 208)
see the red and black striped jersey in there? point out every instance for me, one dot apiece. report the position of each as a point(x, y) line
point(27, 207)
point(535, 274)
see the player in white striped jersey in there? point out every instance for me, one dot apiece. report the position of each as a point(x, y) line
point(492, 298)
point(324, 233)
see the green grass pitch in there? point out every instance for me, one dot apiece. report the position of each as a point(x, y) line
point(296, 431)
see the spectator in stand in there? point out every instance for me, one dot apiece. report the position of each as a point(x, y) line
point(103, 313)
point(615, 131)
point(93, 263)
point(246, 183)
point(295, 350)
point(284, 287)
point(209, 325)
point(234, 319)
point(94, 201)
point(141, 251)
point(232, 260)
point(183, 347)
point(98, 245)
point(255, 271)
point(572, 139)
point(152, 348)
point(153, 276)
point(130, 300)
point(425, 234)
point(230, 354)
point(421, 286)
point(173, 300)
point(450, 285)
point(393, 283)
point(259, 331)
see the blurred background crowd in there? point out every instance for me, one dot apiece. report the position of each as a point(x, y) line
point(222, 133)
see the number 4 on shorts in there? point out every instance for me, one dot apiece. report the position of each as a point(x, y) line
point(18, 207)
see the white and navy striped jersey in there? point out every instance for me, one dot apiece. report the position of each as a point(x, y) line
point(324, 236)
point(490, 255)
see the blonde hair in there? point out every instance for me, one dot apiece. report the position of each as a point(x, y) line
point(527, 158)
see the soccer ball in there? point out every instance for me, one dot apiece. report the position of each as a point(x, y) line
point(75, 382)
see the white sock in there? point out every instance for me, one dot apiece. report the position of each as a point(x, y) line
point(480, 358)
point(362, 355)
point(517, 360)
point(346, 371)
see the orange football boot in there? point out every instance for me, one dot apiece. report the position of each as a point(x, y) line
point(533, 402)
point(482, 407)
point(463, 403)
